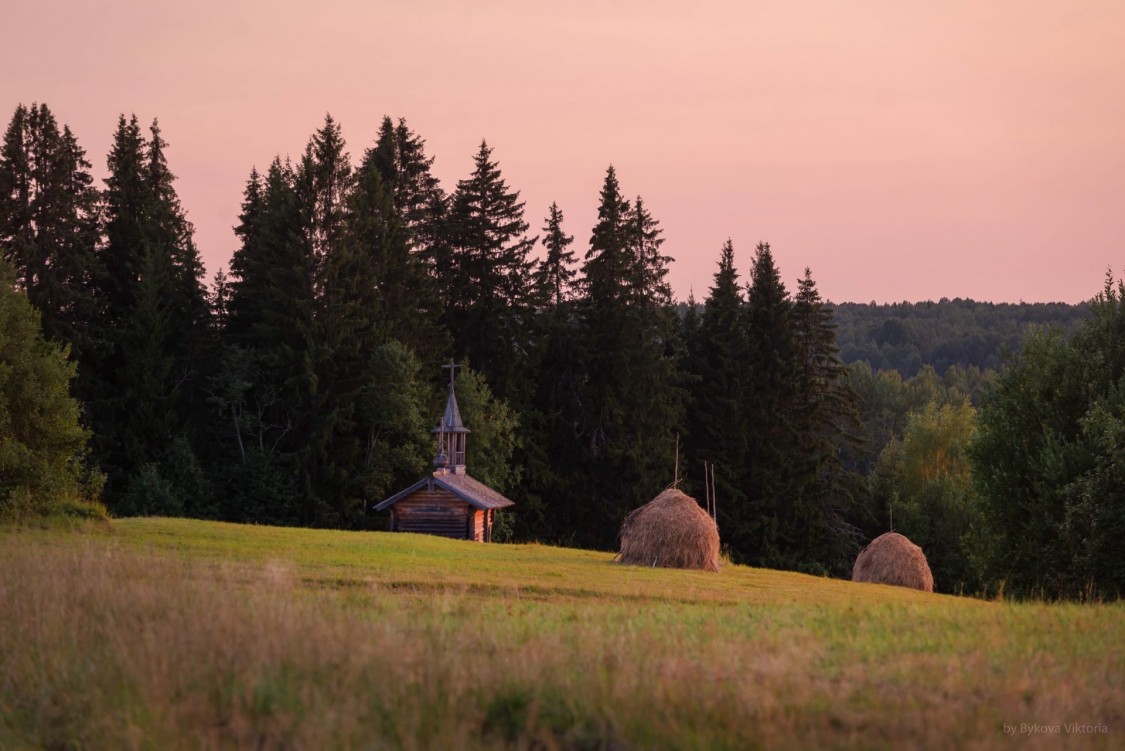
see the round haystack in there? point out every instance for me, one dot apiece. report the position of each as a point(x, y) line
point(671, 531)
point(893, 559)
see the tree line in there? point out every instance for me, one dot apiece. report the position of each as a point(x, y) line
point(300, 385)
point(948, 333)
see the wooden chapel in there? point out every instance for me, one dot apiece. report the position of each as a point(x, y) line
point(449, 502)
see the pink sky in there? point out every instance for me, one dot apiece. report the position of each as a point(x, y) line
point(905, 150)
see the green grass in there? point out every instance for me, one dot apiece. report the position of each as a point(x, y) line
point(420, 561)
point(161, 633)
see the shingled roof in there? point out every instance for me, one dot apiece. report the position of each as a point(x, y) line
point(451, 419)
point(473, 492)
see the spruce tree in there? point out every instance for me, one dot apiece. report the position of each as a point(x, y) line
point(388, 220)
point(241, 306)
point(125, 203)
point(49, 225)
point(689, 335)
point(324, 181)
point(488, 306)
point(400, 157)
point(651, 267)
point(630, 405)
point(219, 299)
point(554, 275)
point(315, 372)
point(762, 530)
point(608, 262)
point(422, 209)
point(554, 375)
point(690, 352)
point(172, 235)
point(717, 430)
point(146, 408)
point(348, 322)
point(828, 422)
point(267, 355)
point(589, 510)
point(191, 338)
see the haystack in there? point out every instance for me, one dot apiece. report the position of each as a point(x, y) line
point(893, 559)
point(671, 531)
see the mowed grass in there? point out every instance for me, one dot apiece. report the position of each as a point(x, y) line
point(161, 633)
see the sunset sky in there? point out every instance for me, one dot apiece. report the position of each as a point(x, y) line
point(904, 150)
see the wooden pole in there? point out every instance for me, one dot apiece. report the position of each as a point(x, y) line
point(706, 488)
point(709, 484)
point(676, 476)
point(714, 497)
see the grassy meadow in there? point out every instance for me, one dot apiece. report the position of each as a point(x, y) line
point(170, 634)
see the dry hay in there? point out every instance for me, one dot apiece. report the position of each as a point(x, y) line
point(670, 531)
point(893, 559)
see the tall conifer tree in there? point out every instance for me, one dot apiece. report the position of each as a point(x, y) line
point(630, 405)
point(556, 374)
point(488, 307)
point(651, 266)
point(49, 225)
point(391, 221)
point(146, 407)
point(407, 172)
point(759, 531)
point(554, 275)
point(324, 183)
point(267, 360)
point(717, 432)
point(125, 200)
point(827, 418)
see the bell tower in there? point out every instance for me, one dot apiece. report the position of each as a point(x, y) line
point(451, 433)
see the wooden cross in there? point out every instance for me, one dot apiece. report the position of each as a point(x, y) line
point(452, 368)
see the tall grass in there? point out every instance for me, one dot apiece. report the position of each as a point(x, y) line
point(150, 637)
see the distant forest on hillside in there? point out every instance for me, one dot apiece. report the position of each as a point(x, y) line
point(964, 333)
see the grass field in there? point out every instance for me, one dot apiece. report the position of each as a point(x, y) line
point(160, 633)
